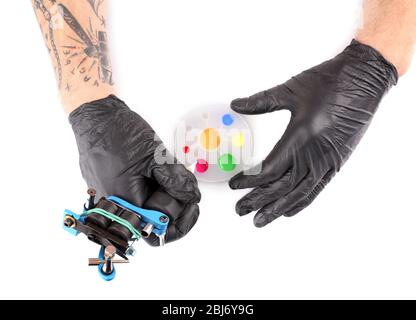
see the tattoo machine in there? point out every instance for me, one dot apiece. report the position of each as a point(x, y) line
point(115, 225)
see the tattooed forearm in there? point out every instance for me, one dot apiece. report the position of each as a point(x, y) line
point(76, 38)
point(94, 47)
point(50, 36)
point(75, 25)
point(95, 5)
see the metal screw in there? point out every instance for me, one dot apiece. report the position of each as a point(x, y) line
point(131, 252)
point(69, 222)
point(91, 201)
point(110, 252)
point(163, 219)
point(147, 230)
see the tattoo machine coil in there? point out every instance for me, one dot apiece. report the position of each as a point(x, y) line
point(115, 225)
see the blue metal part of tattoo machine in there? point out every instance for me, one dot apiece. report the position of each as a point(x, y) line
point(115, 225)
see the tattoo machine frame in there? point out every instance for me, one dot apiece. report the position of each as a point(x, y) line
point(115, 225)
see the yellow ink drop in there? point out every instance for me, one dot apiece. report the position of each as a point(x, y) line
point(238, 140)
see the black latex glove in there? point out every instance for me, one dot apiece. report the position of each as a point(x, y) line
point(332, 106)
point(117, 157)
point(182, 216)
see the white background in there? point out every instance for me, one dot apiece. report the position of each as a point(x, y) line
point(358, 238)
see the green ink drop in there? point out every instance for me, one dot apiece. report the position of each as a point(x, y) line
point(227, 162)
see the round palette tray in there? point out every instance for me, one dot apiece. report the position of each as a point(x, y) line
point(215, 143)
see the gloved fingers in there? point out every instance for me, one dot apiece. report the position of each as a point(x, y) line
point(301, 205)
point(277, 163)
point(263, 195)
point(161, 201)
point(182, 217)
point(184, 223)
point(175, 179)
point(295, 201)
point(179, 228)
point(136, 190)
point(276, 209)
point(179, 182)
point(266, 101)
point(307, 200)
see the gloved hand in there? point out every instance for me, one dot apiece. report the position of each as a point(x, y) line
point(117, 151)
point(182, 216)
point(332, 106)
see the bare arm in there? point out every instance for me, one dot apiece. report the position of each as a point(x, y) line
point(76, 37)
point(390, 27)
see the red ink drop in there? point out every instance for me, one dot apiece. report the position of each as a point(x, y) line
point(201, 166)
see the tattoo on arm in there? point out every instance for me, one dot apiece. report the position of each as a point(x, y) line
point(95, 5)
point(74, 25)
point(50, 36)
point(85, 52)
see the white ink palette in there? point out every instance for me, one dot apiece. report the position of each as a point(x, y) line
point(215, 143)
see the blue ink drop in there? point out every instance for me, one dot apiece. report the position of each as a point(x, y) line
point(227, 119)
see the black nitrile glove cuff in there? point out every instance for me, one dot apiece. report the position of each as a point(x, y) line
point(367, 53)
point(87, 112)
